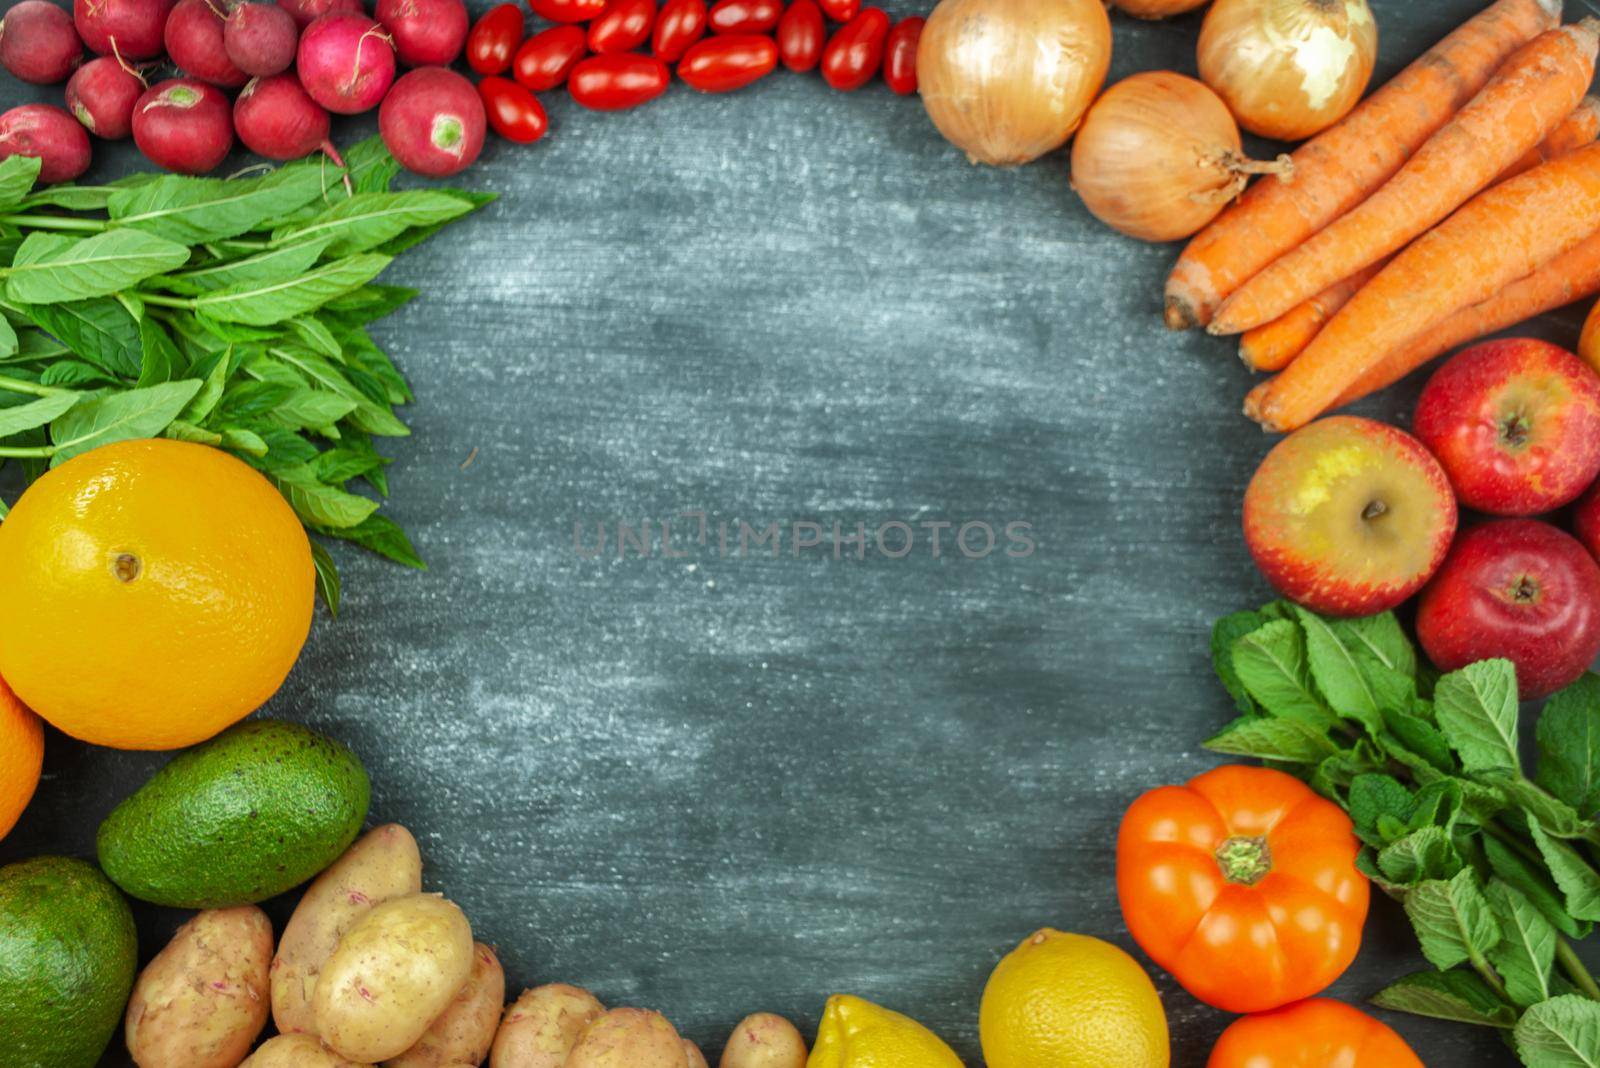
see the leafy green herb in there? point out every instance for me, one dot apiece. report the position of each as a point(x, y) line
point(231, 312)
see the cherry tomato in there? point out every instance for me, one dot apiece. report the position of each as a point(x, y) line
point(841, 10)
point(900, 55)
point(801, 35)
point(514, 113)
point(548, 57)
point(493, 42)
point(622, 27)
point(856, 51)
point(728, 62)
point(1243, 884)
point(1312, 1034)
point(682, 23)
point(616, 83)
point(567, 10)
point(745, 16)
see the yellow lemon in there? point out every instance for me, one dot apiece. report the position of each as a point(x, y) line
point(859, 1034)
point(1068, 1001)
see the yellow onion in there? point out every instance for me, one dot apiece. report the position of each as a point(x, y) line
point(1159, 157)
point(1288, 69)
point(1008, 80)
point(1155, 9)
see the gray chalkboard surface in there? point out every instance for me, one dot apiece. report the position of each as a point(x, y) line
point(710, 784)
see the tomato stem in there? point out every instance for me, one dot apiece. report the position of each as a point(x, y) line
point(1245, 860)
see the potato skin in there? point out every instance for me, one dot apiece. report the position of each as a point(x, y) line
point(383, 865)
point(541, 1028)
point(763, 1040)
point(203, 999)
point(696, 1058)
point(628, 1038)
point(465, 1032)
point(394, 973)
point(297, 1051)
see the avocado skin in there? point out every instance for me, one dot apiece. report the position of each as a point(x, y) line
point(256, 811)
point(68, 955)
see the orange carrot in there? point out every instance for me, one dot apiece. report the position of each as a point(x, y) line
point(1502, 235)
point(1525, 100)
point(1273, 346)
point(1568, 278)
point(1344, 164)
point(1576, 130)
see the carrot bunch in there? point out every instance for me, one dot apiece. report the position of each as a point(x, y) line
point(1462, 197)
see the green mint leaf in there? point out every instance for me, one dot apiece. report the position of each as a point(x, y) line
point(137, 413)
point(1422, 855)
point(1271, 664)
point(1569, 745)
point(1418, 736)
point(69, 198)
point(373, 302)
point(412, 238)
point(9, 342)
point(1477, 711)
point(217, 370)
point(1225, 633)
point(1354, 680)
point(1452, 919)
point(267, 303)
point(34, 346)
point(1533, 881)
point(315, 335)
point(1267, 738)
point(52, 268)
point(1457, 996)
point(288, 262)
point(382, 535)
point(195, 211)
point(367, 220)
point(319, 505)
point(1526, 953)
point(1578, 881)
point(74, 374)
point(159, 361)
point(17, 175)
point(353, 458)
point(1563, 1032)
point(368, 415)
point(246, 442)
point(1551, 813)
point(312, 409)
point(100, 331)
point(247, 399)
point(181, 431)
point(327, 578)
point(371, 168)
point(34, 414)
point(1373, 796)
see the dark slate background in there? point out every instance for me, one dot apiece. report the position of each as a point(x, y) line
point(714, 785)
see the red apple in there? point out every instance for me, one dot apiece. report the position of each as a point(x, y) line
point(1586, 521)
point(1518, 589)
point(1349, 516)
point(1516, 425)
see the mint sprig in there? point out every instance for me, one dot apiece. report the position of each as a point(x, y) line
point(232, 312)
point(1496, 866)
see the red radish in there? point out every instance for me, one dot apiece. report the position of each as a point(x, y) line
point(427, 33)
point(38, 43)
point(305, 12)
point(195, 44)
point(346, 63)
point(183, 125)
point(49, 134)
point(102, 93)
point(275, 117)
point(261, 38)
point(131, 29)
point(433, 122)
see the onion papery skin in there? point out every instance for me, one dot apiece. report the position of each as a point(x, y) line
point(1156, 9)
point(1288, 69)
point(1007, 81)
point(1159, 157)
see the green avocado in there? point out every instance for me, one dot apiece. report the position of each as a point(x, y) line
point(256, 811)
point(68, 954)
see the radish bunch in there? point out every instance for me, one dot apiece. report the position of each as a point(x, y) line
point(268, 73)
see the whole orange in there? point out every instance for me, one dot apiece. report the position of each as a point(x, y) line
point(21, 757)
point(156, 592)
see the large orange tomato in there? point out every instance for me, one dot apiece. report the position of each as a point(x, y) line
point(1312, 1034)
point(1243, 885)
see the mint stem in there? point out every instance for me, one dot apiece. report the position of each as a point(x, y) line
point(34, 452)
point(22, 385)
point(165, 302)
point(56, 222)
point(1580, 976)
point(1483, 969)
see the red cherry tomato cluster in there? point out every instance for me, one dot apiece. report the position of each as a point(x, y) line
point(618, 54)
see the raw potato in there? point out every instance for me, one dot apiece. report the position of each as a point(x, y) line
point(465, 1032)
point(203, 999)
point(696, 1058)
point(763, 1040)
point(393, 974)
point(297, 1051)
point(628, 1038)
point(540, 1030)
point(381, 866)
